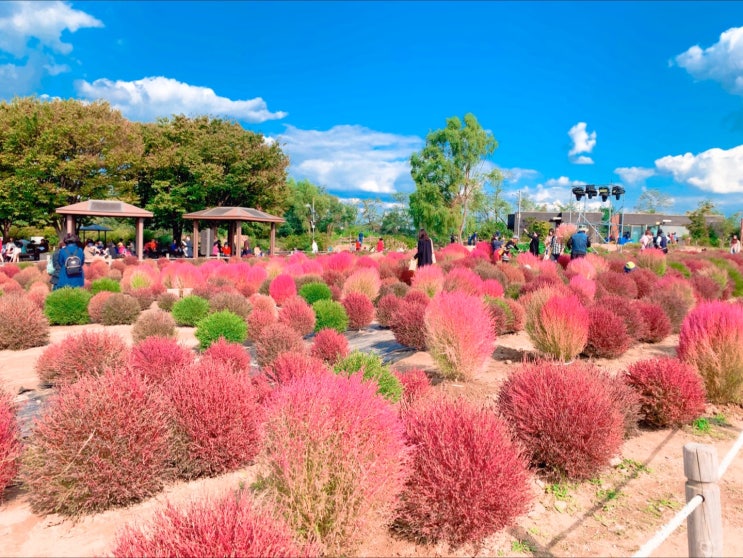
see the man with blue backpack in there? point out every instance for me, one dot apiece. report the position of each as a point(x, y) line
point(69, 261)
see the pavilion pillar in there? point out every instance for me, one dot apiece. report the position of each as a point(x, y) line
point(140, 238)
point(195, 242)
point(238, 238)
point(272, 248)
point(70, 224)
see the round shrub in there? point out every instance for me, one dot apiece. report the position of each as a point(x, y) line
point(415, 385)
point(360, 310)
point(671, 392)
point(37, 294)
point(312, 292)
point(329, 346)
point(558, 327)
point(105, 284)
point(102, 442)
point(216, 416)
point(154, 322)
point(276, 339)
point(95, 306)
point(711, 340)
point(625, 309)
point(232, 355)
point(234, 302)
point(466, 498)
point(459, 334)
point(288, 366)
point(645, 281)
point(222, 324)
point(352, 441)
point(22, 324)
point(394, 287)
point(564, 415)
point(259, 320)
point(67, 306)
point(676, 297)
point(166, 301)
point(365, 280)
point(407, 323)
point(158, 358)
point(88, 353)
point(189, 310)
point(619, 284)
point(298, 315)
point(230, 525)
point(657, 326)
point(10, 442)
point(282, 288)
point(607, 334)
point(387, 305)
point(372, 369)
point(266, 303)
point(330, 314)
point(120, 309)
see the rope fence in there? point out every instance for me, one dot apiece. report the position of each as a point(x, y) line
point(703, 502)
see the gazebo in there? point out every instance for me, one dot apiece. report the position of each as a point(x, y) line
point(106, 208)
point(236, 216)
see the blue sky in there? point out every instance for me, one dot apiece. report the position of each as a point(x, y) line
point(646, 94)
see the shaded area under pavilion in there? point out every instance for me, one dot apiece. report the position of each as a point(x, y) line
point(106, 208)
point(235, 216)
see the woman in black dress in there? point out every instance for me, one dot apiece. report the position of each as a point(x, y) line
point(424, 255)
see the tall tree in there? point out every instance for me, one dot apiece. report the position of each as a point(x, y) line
point(370, 214)
point(329, 212)
point(698, 227)
point(448, 173)
point(653, 201)
point(396, 219)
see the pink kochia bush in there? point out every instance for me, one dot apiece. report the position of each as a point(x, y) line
point(216, 417)
point(229, 525)
point(232, 355)
point(276, 339)
point(10, 442)
point(360, 310)
point(22, 323)
point(711, 340)
point(566, 416)
point(607, 334)
point(415, 385)
point(292, 365)
point(282, 288)
point(102, 442)
point(329, 346)
point(468, 480)
point(428, 279)
point(459, 334)
point(364, 280)
point(671, 392)
point(158, 358)
point(351, 440)
point(298, 315)
point(559, 328)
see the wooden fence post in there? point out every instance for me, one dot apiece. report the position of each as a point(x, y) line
point(704, 525)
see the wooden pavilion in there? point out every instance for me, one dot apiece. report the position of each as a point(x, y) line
point(235, 216)
point(106, 208)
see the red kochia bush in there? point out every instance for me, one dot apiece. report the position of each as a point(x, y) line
point(22, 323)
point(216, 414)
point(292, 365)
point(232, 355)
point(625, 309)
point(607, 334)
point(276, 339)
point(386, 308)
point(329, 346)
point(351, 440)
point(360, 310)
point(617, 283)
point(230, 525)
point(415, 384)
point(282, 288)
point(95, 306)
point(158, 358)
point(407, 324)
point(102, 442)
point(657, 325)
point(298, 315)
point(671, 392)
point(10, 442)
point(259, 320)
point(88, 353)
point(560, 328)
point(468, 481)
point(565, 415)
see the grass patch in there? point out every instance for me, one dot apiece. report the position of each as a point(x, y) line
point(658, 506)
point(522, 547)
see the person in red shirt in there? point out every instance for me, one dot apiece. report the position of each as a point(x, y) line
point(380, 245)
point(226, 250)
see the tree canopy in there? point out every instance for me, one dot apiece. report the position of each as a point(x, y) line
point(653, 201)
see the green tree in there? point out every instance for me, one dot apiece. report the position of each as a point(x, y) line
point(653, 201)
point(370, 214)
point(448, 174)
point(330, 213)
point(699, 229)
point(396, 219)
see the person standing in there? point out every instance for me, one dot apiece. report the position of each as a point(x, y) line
point(314, 247)
point(579, 243)
point(646, 239)
point(555, 248)
point(548, 243)
point(534, 244)
point(424, 254)
point(71, 260)
point(735, 245)
point(380, 245)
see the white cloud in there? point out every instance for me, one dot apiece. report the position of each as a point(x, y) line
point(716, 170)
point(146, 99)
point(351, 158)
point(634, 175)
point(583, 142)
point(722, 62)
point(515, 174)
point(555, 192)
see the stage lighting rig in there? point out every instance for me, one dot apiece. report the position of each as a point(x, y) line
point(591, 191)
point(579, 192)
point(604, 193)
point(617, 192)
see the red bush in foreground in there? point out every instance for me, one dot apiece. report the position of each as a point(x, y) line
point(10, 442)
point(565, 416)
point(102, 442)
point(158, 358)
point(276, 339)
point(360, 310)
point(231, 525)
point(468, 481)
point(607, 334)
point(657, 325)
point(407, 323)
point(259, 320)
point(232, 355)
point(289, 366)
point(625, 309)
point(23, 324)
point(216, 416)
point(671, 392)
point(386, 308)
point(329, 346)
point(415, 384)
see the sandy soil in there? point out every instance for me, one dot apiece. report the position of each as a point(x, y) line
point(609, 516)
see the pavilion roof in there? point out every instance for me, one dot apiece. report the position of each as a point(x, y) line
point(233, 214)
point(104, 208)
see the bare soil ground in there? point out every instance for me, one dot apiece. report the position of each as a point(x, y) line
point(612, 515)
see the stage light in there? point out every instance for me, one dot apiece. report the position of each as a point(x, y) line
point(617, 191)
point(591, 191)
point(604, 193)
point(579, 192)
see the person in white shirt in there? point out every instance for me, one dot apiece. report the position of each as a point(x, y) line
point(646, 240)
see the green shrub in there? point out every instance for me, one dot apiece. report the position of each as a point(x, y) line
point(189, 310)
point(105, 284)
point(389, 386)
point(221, 324)
point(330, 314)
point(681, 268)
point(120, 309)
point(67, 306)
point(166, 301)
point(733, 272)
point(312, 292)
